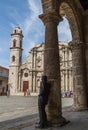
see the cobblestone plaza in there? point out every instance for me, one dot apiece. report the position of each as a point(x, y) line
point(19, 106)
point(21, 113)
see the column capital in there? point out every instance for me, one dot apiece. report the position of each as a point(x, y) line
point(51, 16)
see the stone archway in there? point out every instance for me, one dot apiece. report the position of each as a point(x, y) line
point(52, 11)
point(78, 59)
point(67, 9)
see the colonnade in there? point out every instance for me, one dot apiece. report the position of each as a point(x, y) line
point(51, 19)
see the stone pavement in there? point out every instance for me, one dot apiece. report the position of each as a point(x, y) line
point(20, 106)
point(17, 106)
point(78, 120)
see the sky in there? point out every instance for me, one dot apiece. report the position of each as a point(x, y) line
point(24, 13)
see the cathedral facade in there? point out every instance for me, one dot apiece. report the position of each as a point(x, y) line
point(27, 75)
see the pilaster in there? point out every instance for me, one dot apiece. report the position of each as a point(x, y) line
point(85, 33)
point(80, 90)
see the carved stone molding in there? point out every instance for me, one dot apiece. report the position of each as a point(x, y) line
point(50, 17)
point(49, 5)
point(75, 45)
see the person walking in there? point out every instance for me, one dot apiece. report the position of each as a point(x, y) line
point(8, 90)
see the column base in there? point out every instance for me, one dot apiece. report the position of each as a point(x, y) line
point(79, 109)
point(61, 121)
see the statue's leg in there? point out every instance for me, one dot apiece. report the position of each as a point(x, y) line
point(42, 117)
point(41, 111)
point(45, 116)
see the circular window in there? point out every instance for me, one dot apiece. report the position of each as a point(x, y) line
point(25, 74)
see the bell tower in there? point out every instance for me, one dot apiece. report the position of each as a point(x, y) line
point(15, 59)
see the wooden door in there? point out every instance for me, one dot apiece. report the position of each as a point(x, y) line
point(25, 85)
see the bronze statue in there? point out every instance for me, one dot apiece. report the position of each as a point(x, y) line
point(42, 102)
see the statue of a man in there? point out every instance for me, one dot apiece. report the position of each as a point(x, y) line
point(42, 102)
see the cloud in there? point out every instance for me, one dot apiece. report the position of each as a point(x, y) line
point(3, 48)
point(33, 6)
point(31, 25)
point(33, 28)
point(30, 44)
point(64, 31)
point(0, 49)
point(32, 20)
point(12, 25)
point(4, 57)
point(4, 61)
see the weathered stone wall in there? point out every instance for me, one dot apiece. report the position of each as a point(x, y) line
point(80, 93)
point(85, 34)
point(49, 5)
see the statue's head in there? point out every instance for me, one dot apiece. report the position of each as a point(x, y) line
point(44, 78)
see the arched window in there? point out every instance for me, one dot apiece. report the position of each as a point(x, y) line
point(25, 74)
point(14, 31)
point(20, 59)
point(13, 58)
point(14, 43)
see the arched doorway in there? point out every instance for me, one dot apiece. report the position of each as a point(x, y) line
point(51, 17)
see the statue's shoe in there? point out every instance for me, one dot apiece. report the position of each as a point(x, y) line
point(41, 127)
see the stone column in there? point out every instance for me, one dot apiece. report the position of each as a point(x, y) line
point(85, 29)
point(80, 94)
point(72, 80)
point(35, 81)
point(32, 76)
point(68, 81)
point(52, 66)
point(65, 80)
point(19, 84)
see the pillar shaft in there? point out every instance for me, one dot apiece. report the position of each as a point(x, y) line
point(19, 81)
point(85, 28)
point(80, 94)
point(52, 66)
